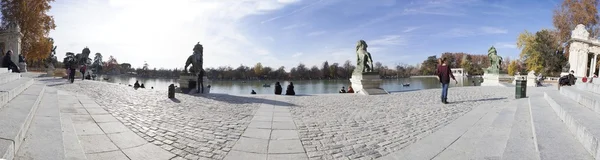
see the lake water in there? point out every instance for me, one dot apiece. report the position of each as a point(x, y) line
point(301, 87)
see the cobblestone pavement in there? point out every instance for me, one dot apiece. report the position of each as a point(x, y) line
point(330, 126)
point(368, 127)
point(190, 127)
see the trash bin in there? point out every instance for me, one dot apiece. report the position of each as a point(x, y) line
point(521, 89)
point(172, 91)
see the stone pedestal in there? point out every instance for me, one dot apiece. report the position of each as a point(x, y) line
point(518, 77)
point(50, 71)
point(531, 79)
point(185, 79)
point(367, 83)
point(22, 67)
point(491, 79)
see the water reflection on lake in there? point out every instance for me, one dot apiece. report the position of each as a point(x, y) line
point(301, 87)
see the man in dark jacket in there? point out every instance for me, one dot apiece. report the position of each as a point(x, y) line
point(8, 63)
point(444, 74)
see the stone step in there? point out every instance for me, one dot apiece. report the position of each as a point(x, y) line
point(10, 90)
point(3, 70)
point(585, 98)
point(9, 77)
point(580, 121)
point(44, 139)
point(493, 143)
point(431, 146)
point(553, 138)
point(17, 116)
point(590, 87)
point(465, 146)
point(521, 144)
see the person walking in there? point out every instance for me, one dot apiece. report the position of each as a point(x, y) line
point(444, 74)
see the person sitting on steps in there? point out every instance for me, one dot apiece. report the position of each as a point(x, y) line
point(253, 92)
point(136, 85)
point(278, 88)
point(290, 89)
point(342, 90)
point(142, 86)
point(350, 90)
point(8, 63)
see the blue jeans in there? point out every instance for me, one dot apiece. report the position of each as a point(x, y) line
point(445, 90)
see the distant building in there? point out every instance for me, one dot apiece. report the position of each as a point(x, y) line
point(459, 72)
point(126, 66)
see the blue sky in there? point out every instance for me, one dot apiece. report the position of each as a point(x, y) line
point(287, 32)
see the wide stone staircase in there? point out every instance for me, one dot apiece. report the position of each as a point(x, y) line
point(30, 124)
point(579, 108)
point(549, 124)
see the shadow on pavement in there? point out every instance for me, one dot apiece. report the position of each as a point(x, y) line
point(410, 90)
point(242, 99)
point(478, 100)
point(175, 100)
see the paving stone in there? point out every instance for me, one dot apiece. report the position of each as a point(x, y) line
point(284, 125)
point(238, 155)
point(93, 111)
point(192, 157)
point(96, 143)
point(87, 129)
point(282, 114)
point(113, 127)
point(147, 152)
point(285, 146)
point(82, 119)
point(91, 105)
point(262, 118)
point(257, 133)
point(288, 119)
point(284, 134)
point(257, 124)
point(112, 155)
point(101, 118)
point(251, 145)
point(297, 156)
point(264, 113)
point(126, 139)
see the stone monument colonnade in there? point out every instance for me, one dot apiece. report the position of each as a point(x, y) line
point(10, 39)
point(583, 52)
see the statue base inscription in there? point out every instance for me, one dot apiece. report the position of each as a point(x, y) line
point(367, 83)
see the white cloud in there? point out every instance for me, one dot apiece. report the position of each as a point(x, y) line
point(388, 40)
point(463, 32)
point(410, 29)
point(298, 54)
point(160, 32)
point(316, 33)
point(293, 12)
point(293, 26)
point(506, 45)
point(493, 30)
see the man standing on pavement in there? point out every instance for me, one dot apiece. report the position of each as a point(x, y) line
point(444, 74)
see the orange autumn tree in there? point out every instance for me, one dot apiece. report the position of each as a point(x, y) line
point(35, 23)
